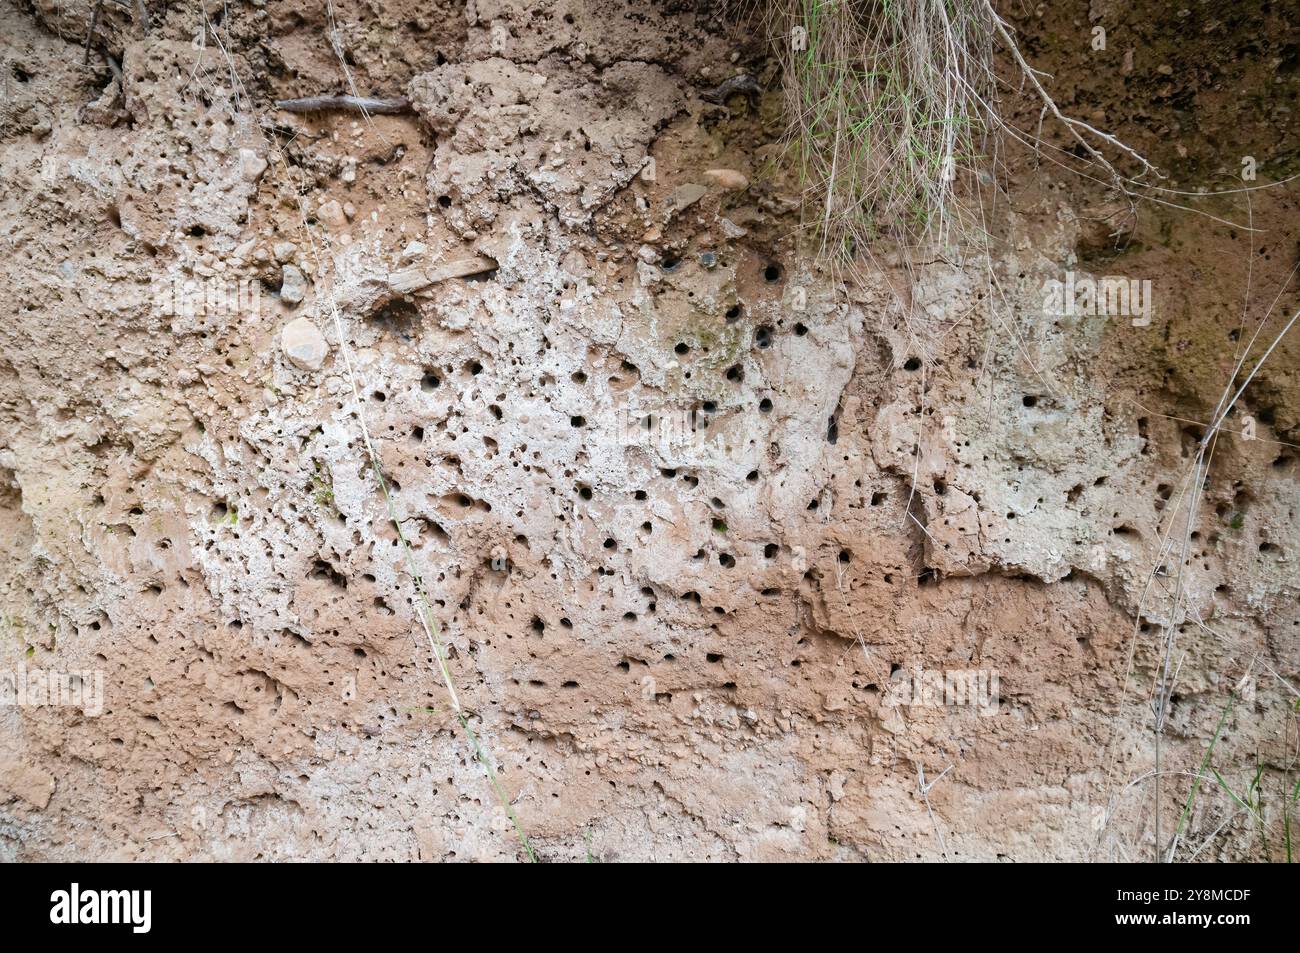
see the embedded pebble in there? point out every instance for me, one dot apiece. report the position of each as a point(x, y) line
point(293, 284)
point(727, 179)
point(304, 345)
point(251, 165)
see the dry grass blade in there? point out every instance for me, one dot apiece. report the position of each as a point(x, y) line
point(882, 108)
point(888, 102)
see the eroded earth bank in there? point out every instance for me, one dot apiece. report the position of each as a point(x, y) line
point(695, 511)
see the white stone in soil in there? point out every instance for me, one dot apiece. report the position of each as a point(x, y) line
point(251, 165)
point(293, 284)
point(331, 213)
point(304, 345)
point(727, 179)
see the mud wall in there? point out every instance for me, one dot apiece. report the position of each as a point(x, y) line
point(711, 530)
